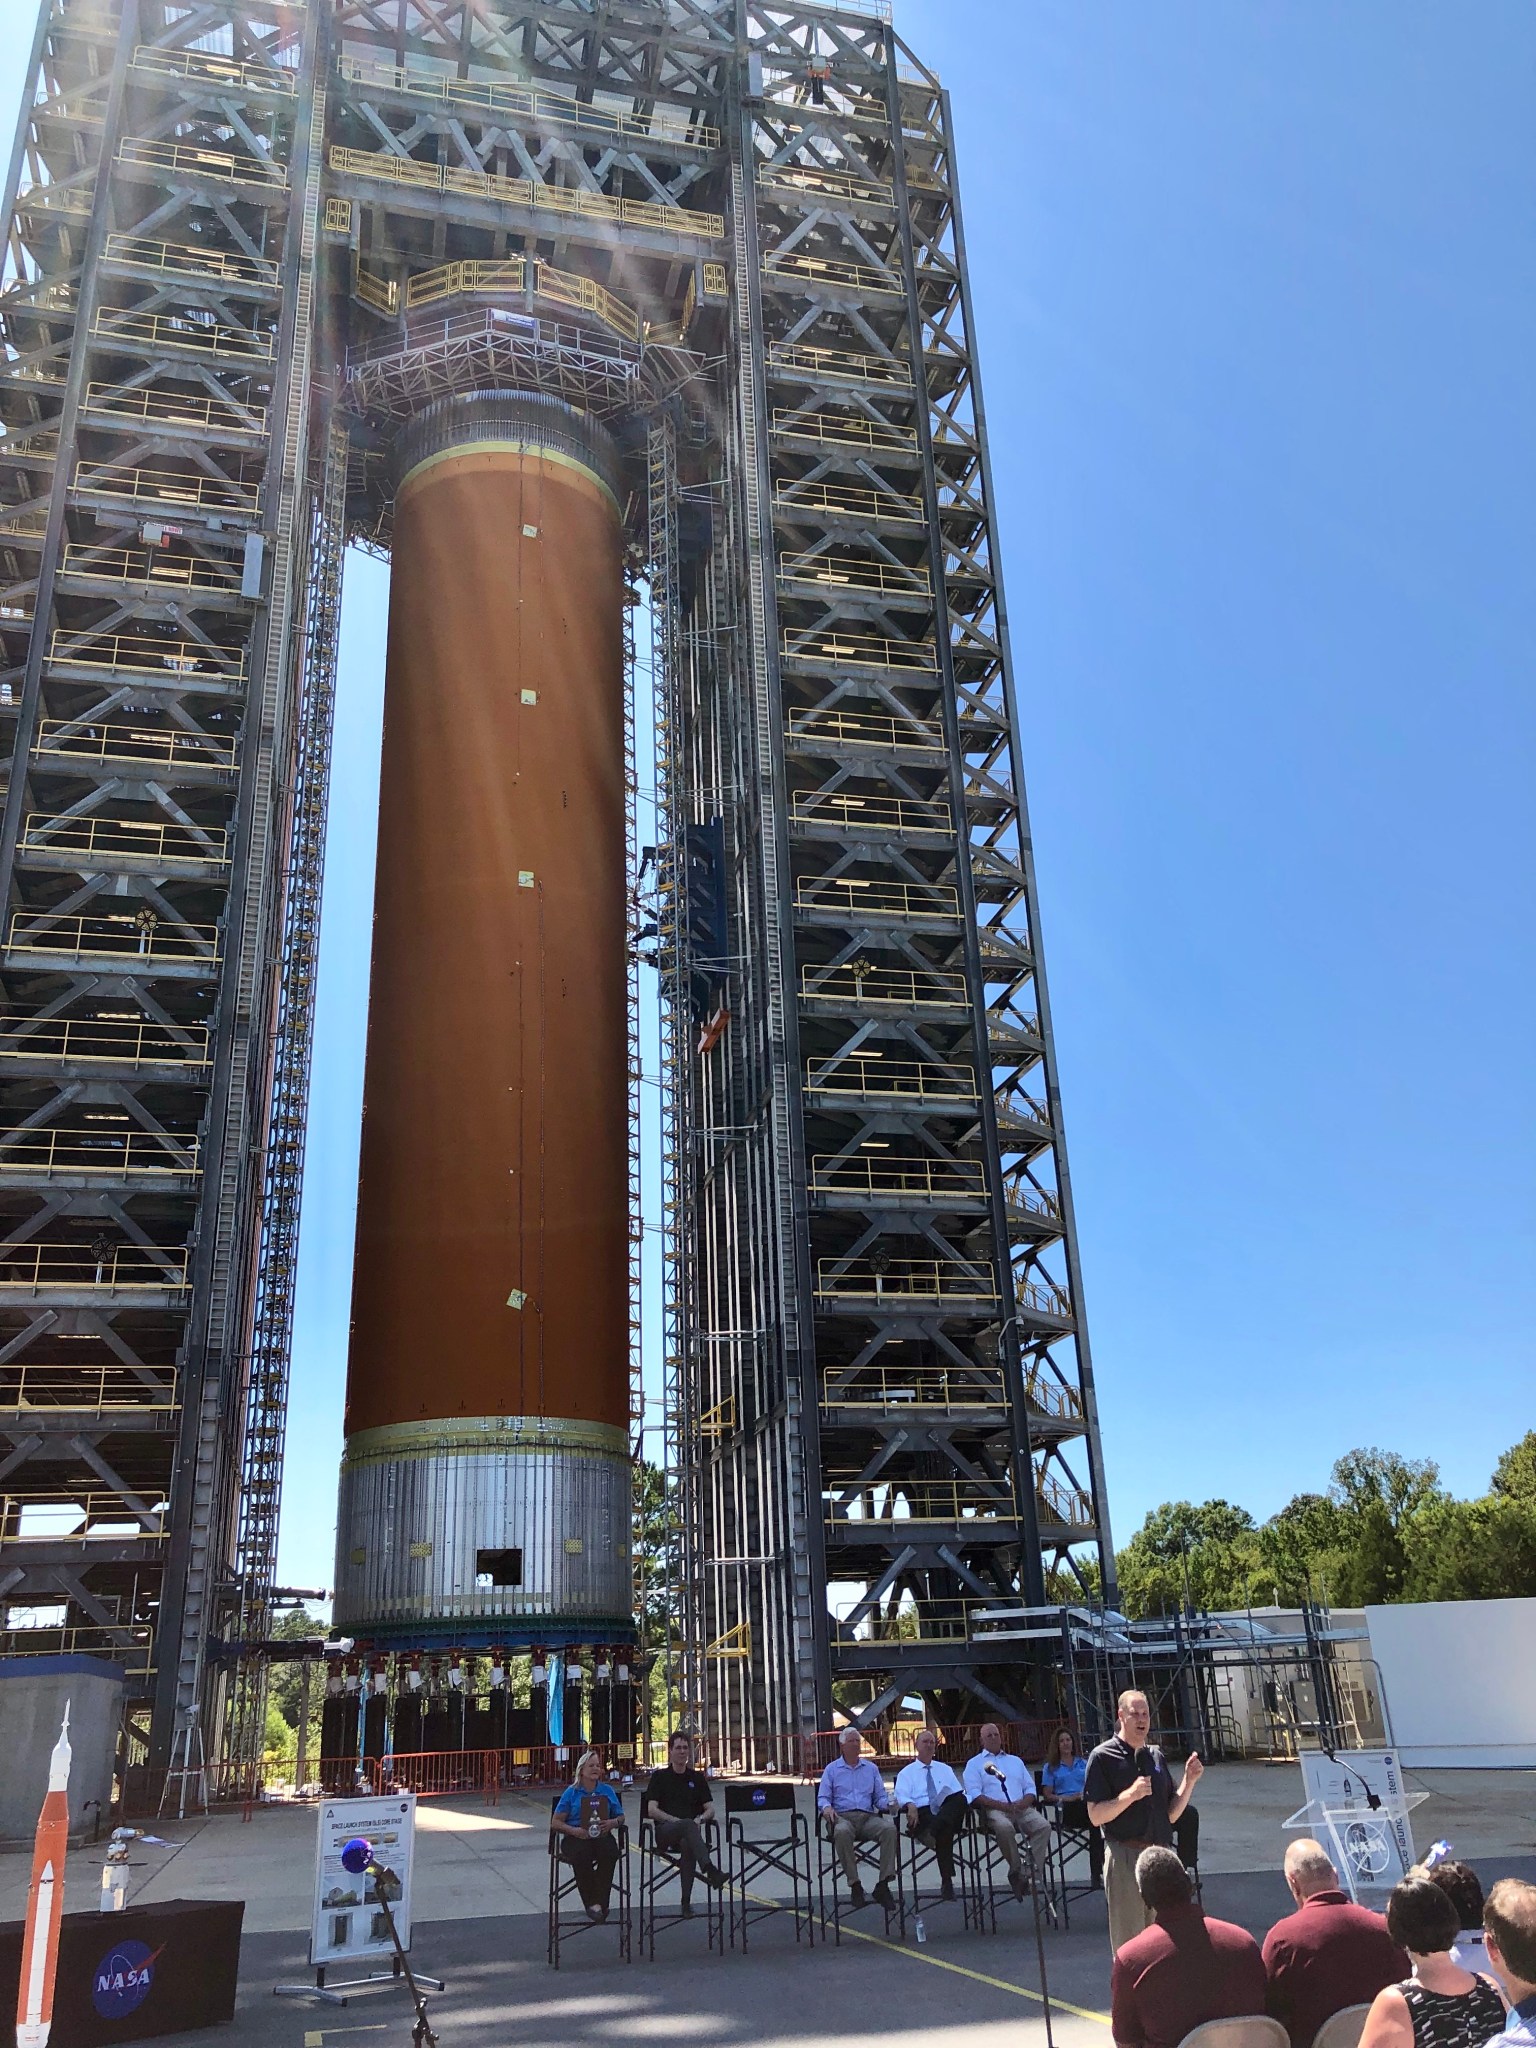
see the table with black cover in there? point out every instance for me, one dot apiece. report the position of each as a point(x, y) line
point(161, 1969)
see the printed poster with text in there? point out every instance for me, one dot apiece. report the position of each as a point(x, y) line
point(349, 1921)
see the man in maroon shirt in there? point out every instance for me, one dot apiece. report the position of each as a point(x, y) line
point(1329, 1953)
point(1184, 1969)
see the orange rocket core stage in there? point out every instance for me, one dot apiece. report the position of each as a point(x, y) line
point(494, 1151)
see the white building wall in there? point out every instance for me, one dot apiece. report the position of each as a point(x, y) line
point(1460, 1680)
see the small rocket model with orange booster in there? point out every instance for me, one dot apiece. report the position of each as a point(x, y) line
point(45, 1903)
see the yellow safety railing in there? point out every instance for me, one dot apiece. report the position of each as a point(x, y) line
point(858, 277)
point(130, 1646)
point(562, 199)
point(130, 1154)
point(204, 65)
point(870, 813)
point(1063, 1504)
point(1051, 1396)
point(35, 931)
point(85, 1387)
point(87, 1265)
point(855, 650)
point(186, 337)
point(569, 288)
point(900, 988)
point(456, 280)
point(33, 1516)
point(916, 1386)
point(859, 1174)
point(505, 98)
point(39, 298)
point(137, 838)
point(813, 178)
point(137, 654)
point(128, 565)
point(836, 429)
point(906, 1280)
point(1017, 1105)
point(114, 1041)
point(175, 408)
point(378, 294)
point(1043, 1298)
point(168, 487)
point(138, 152)
point(184, 259)
point(108, 742)
point(866, 729)
point(867, 1073)
point(838, 365)
point(849, 498)
point(1032, 1201)
point(934, 902)
point(23, 522)
point(927, 1500)
point(854, 573)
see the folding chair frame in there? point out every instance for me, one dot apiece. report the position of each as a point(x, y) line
point(789, 1855)
point(829, 1878)
point(919, 1858)
point(562, 1883)
point(989, 1854)
point(659, 1866)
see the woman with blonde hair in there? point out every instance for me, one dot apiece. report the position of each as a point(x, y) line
point(587, 1818)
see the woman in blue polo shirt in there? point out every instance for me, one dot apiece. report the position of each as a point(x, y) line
point(1063, 1780)
point(587, 1818)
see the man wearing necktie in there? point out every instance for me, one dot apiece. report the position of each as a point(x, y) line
point(935, 1804)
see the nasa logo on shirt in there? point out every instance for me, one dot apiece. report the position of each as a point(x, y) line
point(124, 1978)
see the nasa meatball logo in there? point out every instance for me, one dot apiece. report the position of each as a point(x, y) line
point(124, 1978)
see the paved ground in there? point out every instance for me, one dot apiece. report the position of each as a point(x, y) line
point(481, 1874)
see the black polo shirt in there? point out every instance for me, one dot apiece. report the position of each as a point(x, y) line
point(681, 1794)
point(1111, 1767)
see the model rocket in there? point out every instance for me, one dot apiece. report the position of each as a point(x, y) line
point(45, 1903)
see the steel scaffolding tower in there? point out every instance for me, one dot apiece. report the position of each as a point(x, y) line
point(246, 241)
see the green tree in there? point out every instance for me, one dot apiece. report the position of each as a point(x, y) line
point(1299, 1551)
point(1204, 1555)
point(1379, 1495)
point(285, 1681)
point(1514, 1477)
point(1472, 1550)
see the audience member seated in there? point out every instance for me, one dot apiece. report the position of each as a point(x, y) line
point(1509, 1927)
point(1062, 1785)
point(1460, 1883)
point(935, 1805)
point(853, 1797)
point(1001, 1787)
point(1183, 1969)
point(1441, 2005)
point(1329, 1953)
point(587, 1817)
point(680, 1800)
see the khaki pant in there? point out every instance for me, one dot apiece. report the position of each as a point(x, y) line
point(848, 1828)
point(1127, 1915)
point(1008, 1823)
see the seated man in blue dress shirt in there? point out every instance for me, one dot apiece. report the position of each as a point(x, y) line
point(1001, 1787)
point(852, 1795)
point(935, 1805)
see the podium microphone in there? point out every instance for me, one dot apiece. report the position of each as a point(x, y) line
point(358, 1859)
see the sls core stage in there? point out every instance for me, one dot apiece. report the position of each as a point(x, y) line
point(580, 312)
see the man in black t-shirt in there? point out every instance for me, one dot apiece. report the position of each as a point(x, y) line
point(679, 1799)
point(1131, 1795)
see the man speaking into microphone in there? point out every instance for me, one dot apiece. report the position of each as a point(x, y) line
point(1132, 1797)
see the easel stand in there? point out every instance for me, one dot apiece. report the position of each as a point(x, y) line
point(399, 1972)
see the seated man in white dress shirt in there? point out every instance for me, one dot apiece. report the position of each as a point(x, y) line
point(1001, 1787)
point(934, 1802)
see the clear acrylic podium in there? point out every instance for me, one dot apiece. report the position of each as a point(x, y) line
point(1371, 1843)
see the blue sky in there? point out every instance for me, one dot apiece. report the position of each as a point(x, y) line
point(1256, 305)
